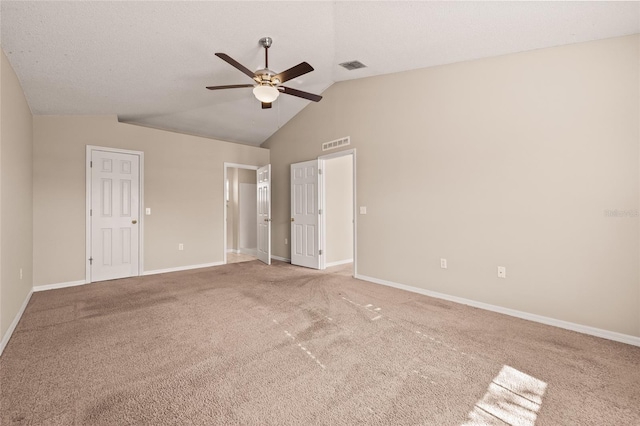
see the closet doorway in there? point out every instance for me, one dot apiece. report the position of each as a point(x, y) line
point(241, 213)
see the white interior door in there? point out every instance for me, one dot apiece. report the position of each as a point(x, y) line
point(115, 204)
point(263, 179)
point(305, 192)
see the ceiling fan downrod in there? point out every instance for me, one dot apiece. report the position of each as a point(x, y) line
point(266, 42)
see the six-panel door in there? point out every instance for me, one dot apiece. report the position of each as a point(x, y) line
point(304, 214)
point(263, 179)
point(115, 192)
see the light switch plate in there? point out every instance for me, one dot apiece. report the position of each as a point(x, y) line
point(502, 272)
point(363, 209)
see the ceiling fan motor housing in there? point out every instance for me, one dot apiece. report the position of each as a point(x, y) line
point(265, 76)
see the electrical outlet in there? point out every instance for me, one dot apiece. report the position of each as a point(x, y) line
point(443, 263)
point(180, 246)
point(363, 209)
point(148, 211)
point(20, 273)
point(502, 272)
point(286, 241)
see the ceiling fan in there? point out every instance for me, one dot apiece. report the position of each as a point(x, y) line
point(267, 85)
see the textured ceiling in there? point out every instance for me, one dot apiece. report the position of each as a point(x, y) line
point(149, 62)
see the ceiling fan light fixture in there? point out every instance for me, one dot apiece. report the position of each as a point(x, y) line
point(266, 93)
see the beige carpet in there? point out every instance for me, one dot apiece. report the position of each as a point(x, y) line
point(247, 344)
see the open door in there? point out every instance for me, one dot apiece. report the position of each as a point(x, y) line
point(263, 180)
point(305, 192)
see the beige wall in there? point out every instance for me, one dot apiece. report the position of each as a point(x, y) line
point(510, 161)
point(236, 177)
point(338, 175)
point(183, 186)
point(247, 211)
point(232, 209)
point(246, 176)
point(15, 197)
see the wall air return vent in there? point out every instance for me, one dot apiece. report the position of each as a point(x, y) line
point(338, 143)
point(352, 65)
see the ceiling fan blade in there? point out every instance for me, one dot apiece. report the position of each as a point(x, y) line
point(293, 72)
point(301, 94)
point(231, 86)
point(228, 59)
point(266, 105)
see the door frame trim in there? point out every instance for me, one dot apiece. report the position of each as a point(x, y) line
point(322, 199)
point(224, 201)
point(141, 213)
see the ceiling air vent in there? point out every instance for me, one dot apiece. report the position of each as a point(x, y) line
point(352, 65)
point(336, 144)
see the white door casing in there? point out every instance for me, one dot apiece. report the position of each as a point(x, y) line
point(305, 221)
point(114, 215)
point(263, 180)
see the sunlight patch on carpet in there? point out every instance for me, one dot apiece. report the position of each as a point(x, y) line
point(369, 307)
point(513, 397)
point(304, 349)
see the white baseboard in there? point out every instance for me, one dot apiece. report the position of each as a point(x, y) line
point(14, 324)
point(157, 271)
point(282, 259)
point(58, 285)
point(593, 331)
point(339, 262)
point(233, 251)
point(182, 268)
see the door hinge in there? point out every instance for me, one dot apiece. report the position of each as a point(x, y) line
point(319, 171)
point(90, 212)
point(320, 252)
point(320, 211)
point(91, 261)
point(90, 163)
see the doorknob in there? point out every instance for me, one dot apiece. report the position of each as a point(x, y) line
point(293, 220)
point(267, 220)
point(134, 221)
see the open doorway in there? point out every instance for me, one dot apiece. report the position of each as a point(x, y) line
point(241, 234)
point(338, 218)
point(323, 223)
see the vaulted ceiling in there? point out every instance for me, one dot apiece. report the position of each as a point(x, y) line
point(148, 62)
